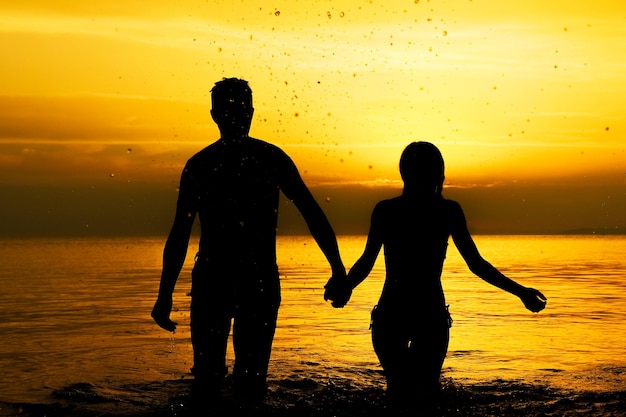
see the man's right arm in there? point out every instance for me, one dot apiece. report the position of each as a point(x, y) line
point(174, 253)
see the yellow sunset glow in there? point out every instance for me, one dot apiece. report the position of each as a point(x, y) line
point(526, 93)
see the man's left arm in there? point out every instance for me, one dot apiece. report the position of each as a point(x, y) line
point(294, 189)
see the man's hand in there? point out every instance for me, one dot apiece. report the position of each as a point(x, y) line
point(534, 300)
point(161, 313)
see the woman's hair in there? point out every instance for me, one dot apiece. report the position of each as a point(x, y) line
point(421, 164)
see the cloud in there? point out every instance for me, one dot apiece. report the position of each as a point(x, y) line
point(96, 117)
point(121, 208)
point(58, 119)
point(108, 98)
point(82, 139)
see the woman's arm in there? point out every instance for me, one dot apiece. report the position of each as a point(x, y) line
point(534, 300)
point(340, 291)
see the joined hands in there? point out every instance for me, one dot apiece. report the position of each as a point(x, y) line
point(337, 291)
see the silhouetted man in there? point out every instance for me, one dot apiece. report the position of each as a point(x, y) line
point(233, 185)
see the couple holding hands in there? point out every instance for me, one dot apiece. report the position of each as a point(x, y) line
point(233, 187)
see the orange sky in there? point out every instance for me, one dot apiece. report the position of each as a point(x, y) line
point(113, 97)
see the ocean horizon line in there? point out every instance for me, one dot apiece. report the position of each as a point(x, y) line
point(618, 231)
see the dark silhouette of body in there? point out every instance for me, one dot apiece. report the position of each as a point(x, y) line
point(410, 324)
point(233, 185)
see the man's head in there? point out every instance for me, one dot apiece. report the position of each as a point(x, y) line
point(232, 108)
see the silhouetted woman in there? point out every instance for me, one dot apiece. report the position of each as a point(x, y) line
point(410, 324)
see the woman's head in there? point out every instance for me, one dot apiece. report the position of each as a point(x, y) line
point(422, 167)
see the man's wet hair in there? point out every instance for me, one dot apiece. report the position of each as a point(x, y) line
point(229, 91)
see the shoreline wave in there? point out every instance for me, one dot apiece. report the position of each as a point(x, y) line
point(308, 397)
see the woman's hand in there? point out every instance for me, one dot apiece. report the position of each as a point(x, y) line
point(533, 299)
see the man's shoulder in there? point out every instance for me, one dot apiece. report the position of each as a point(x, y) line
point(266, 146)
point(269, 153)
point(254, 144)
point(220, 151)
point(205, 152)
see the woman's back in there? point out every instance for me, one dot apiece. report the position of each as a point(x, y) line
point(415, 236)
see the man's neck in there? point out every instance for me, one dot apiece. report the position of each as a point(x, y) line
point(226, 138)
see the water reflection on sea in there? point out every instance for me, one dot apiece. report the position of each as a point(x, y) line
point(77, 311)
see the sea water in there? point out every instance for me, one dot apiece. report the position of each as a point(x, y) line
point(77, 311)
